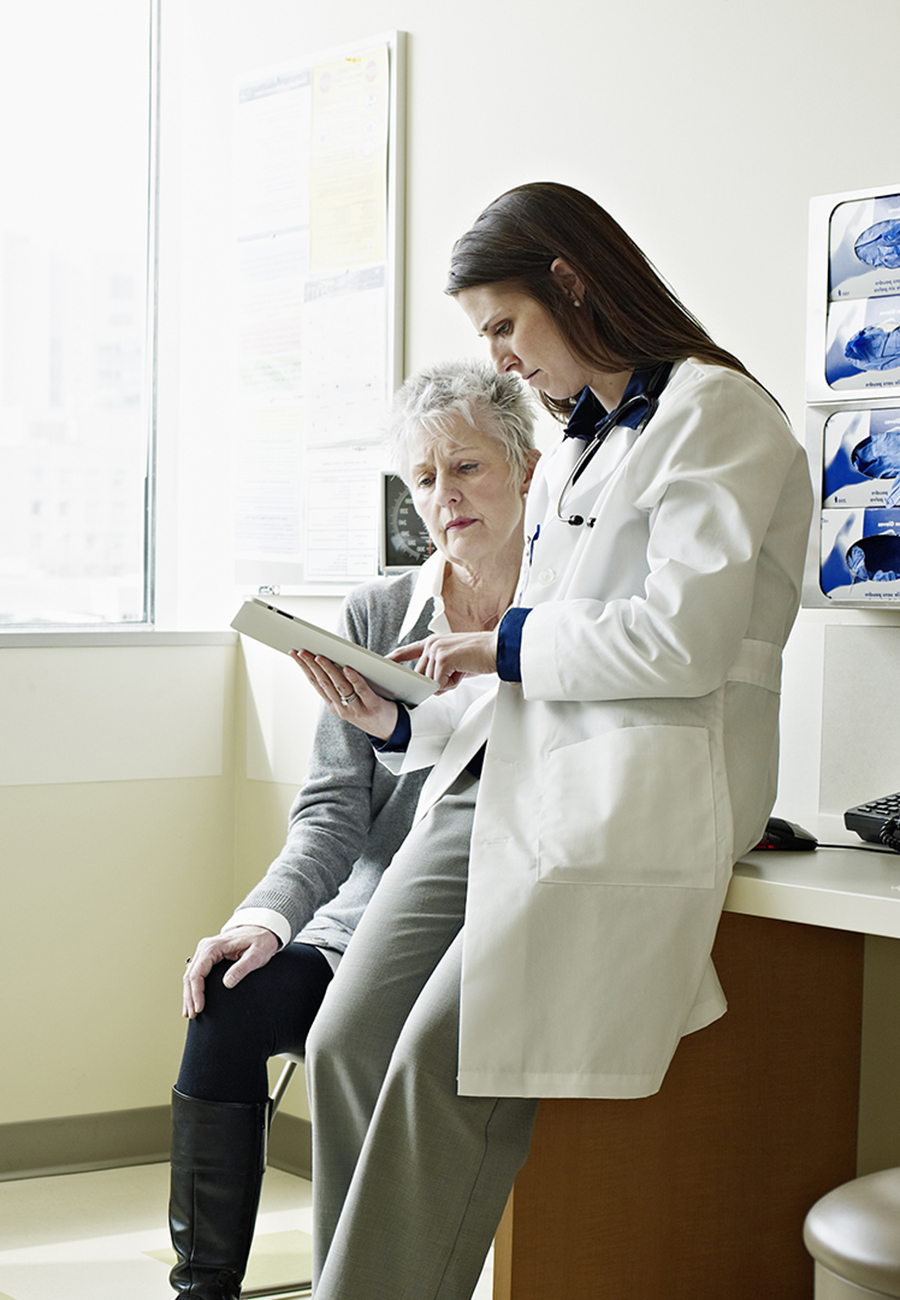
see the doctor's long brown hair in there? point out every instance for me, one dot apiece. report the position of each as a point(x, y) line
point(629, 318)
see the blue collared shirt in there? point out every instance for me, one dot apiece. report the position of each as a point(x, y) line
point(589, 412)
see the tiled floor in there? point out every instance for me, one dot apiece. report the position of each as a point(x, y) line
point(102, 1236)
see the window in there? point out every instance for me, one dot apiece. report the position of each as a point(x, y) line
point(76, 233)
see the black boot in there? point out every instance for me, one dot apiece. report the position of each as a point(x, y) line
point(218, 1159)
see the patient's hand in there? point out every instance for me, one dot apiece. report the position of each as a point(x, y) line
point(348, 695)
point(248, 946)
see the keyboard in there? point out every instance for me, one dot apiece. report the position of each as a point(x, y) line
point(867, 819)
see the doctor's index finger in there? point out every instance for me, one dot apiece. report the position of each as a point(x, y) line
point(401, 653)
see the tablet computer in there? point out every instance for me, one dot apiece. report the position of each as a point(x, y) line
point(286, 632)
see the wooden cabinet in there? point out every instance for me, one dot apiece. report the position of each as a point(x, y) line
point(699, 1192)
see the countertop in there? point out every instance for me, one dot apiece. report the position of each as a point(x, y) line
point(844, 888)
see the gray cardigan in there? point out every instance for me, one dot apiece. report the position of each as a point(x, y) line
point(352, 814)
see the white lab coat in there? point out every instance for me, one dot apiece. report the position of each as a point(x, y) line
point(637, 759)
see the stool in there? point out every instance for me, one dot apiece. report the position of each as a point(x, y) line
point(853, 1234)
point(292, 1060)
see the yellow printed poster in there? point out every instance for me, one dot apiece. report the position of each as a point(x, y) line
point(348, 161)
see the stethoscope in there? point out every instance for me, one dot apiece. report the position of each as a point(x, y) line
point(649, 398)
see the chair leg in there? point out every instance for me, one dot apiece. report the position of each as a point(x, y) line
point(285, 1289)
point(281, 1087)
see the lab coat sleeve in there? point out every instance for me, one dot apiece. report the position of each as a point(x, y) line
point(708, 476)
point(433, 722)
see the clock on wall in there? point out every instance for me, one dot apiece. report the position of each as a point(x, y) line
point(405, 543)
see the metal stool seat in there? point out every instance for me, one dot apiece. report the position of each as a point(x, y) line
point(291, 1061)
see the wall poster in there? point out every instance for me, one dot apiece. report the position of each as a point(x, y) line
point(318, 180)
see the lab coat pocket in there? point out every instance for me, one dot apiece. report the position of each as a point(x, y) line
point(635, 806)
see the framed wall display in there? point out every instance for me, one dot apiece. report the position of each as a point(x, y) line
point(854, 454)
point(405, 543)
point(853, 399)
point(319, 176)
point(853, 334)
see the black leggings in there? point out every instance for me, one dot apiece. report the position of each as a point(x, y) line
point(270, 1011)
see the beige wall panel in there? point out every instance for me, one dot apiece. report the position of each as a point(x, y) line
point(136, 713)
point(261, 813)
point(107, 884)
point(106, 888)
point(281, 712)
point(879, 1114)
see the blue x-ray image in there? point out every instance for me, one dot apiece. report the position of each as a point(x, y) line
point(861, 458)
point(878, 456)
point(875, 559)
point(860, 556)
point(874, 348)
point(880, 245)
point(864, 249)
point(863, 343)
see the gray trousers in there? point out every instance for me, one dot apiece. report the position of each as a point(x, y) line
point(409, 1179)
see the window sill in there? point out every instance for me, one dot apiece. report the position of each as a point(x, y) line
point(37, 639)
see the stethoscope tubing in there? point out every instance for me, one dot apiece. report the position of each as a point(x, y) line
point(649, 397)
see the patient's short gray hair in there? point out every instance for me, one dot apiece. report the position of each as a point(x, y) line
point(490, 403)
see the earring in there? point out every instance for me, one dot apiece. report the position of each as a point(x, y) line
point(576, 302)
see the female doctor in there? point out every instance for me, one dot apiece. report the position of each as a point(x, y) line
point(627, 760)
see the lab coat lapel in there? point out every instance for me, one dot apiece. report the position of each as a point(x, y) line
point(463, 745)
point(602, 466)
point(560, 463)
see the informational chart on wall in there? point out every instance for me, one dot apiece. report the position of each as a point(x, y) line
point(318, 178)
point(853, 395)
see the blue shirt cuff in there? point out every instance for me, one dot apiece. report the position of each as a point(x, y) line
point(399, 738)
point(509, 644)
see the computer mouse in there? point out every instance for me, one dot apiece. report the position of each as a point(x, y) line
point(783, 837)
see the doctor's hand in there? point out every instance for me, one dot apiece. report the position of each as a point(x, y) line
point(348, 695)
point(248, 946)
point(449, 657)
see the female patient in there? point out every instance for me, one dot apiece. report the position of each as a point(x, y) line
point(250, 992)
